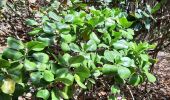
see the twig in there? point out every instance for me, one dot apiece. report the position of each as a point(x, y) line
point(130, 92)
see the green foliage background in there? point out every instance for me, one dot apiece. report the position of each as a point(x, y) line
point(71, 45)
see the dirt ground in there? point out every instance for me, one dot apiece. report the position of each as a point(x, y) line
point(161, 88)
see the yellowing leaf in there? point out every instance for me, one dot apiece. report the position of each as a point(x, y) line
point(8, 86)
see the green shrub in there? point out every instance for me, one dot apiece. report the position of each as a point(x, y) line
point(72, 48)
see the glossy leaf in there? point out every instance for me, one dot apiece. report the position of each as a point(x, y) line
point(110, 55)
point(121, 44)
point(29, 66)
point(35, 31)
point(54, 16)
point(109, 69)
point(135, 80)
point(15, 44)
point(94, 37)
point(76, 59)
point(126, 61)
point(48, 76)
point(11, 54)
point(36, 76)
point(124, 72)
point(41, 57)
point(124, 22)
point(65, 47)
point(78, 80)
point(35, 46)
point(151, 77)
point(82, 72)
point(31, 22)
point(74, 47)
point(44, 94)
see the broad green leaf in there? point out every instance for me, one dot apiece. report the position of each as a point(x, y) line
point(69, 18)
point(44, 19)
point(94, 21)
point(144, 57)
point(36, 76)
point(124, 22)
point(16, 76)
point(4, 63)
point(121, 44)
point(48, 76)
point(49, 28)
point(41, 57)
point(14, 43)
point(126, 61)
point(67, 38)
point(66, 57)
point(109, 69)
point(64, 95)
point(76, 59)
point(110, 55)
point(82, 72)
point(63, 28)
point(91, 45)
point(78, 80)
point(61, 72)
point(110, 22)
point(35, 31)
point(65, 46)
point(78, 21)
point(128, 33)
point(46, 40)
point(107, 38)
point(74, 47)
point(66, 78)
point(54, 95)
point(16, 66)
point(151, 77)
point(8, 86)
point(94, 37)
point(54, 16)
point(35, 46)
point(29, 66)
point(156, 8)
point(44, 94)
point(135, 80)
point(31, 22)
point(124, 72)
point(42, 66)
point(11, 54)
point(115, 89)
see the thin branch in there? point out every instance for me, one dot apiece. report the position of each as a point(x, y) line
point(130, 92)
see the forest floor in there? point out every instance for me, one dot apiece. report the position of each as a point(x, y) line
point(161, 89)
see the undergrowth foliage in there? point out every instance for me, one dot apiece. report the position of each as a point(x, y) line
point(69, 50)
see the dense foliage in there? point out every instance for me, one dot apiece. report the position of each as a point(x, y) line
point(70, 48)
